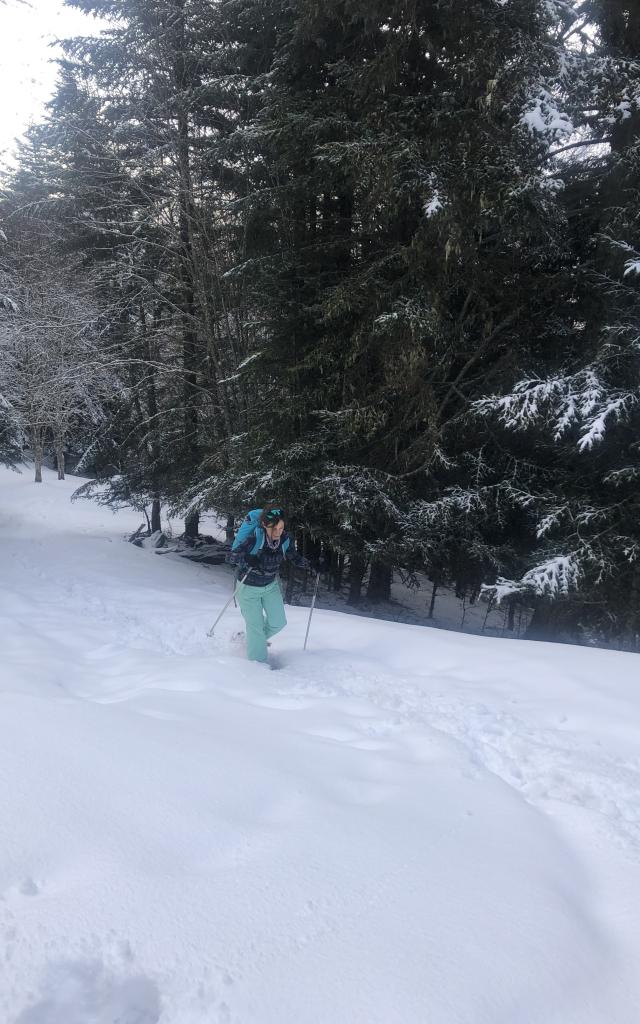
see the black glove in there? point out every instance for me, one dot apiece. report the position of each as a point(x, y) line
point(252, 561)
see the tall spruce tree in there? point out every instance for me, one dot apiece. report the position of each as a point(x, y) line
point(414, 236)
point(578, 409)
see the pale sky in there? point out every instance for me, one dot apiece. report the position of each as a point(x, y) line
point(26, 78)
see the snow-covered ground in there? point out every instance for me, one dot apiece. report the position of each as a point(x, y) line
point(402, 826)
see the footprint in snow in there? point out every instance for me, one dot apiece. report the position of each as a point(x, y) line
point(77, 992)
point(29, 888)
point(281, 703)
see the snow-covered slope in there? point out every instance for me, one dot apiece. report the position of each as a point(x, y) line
point(402, 826)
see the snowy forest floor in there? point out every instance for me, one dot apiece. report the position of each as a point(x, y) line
point(402, 825)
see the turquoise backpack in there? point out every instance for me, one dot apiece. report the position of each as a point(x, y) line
point(251, 526)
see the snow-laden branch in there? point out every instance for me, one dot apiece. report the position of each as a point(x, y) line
point(542, 116)
point(560, 403)
point(553, 578)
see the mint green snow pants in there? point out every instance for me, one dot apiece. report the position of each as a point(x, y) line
point(263, 611)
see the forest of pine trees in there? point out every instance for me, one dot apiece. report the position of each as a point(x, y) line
point(378, 259)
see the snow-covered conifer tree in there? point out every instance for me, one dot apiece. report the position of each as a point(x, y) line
point(577, 407)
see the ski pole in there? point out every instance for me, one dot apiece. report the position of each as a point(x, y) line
point(313, 604)
point(235, 591)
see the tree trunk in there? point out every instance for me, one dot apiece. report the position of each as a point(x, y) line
point(543, 624)
point(434, 591)
point(336, 571)
point(38, 454)
point(229, 530)
point(511, 618)
point(156, 525)
point(153, 426)
point(340, 572)
point(60, 461)
point(357, 569)
point(185, 224)
point(632, 624)
point(192, 525)
point(380, 578)
point(305, 554)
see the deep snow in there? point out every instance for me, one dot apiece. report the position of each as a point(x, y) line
point(402, 826)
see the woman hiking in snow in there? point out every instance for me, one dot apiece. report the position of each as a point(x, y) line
point(260, 546)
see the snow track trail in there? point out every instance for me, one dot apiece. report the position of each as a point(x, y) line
point(552, 763)
point(401, 825)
